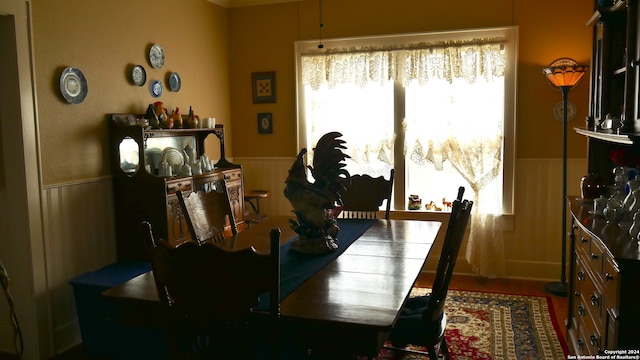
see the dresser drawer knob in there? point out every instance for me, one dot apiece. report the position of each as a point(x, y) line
point(581, 310)
point(576, 293)
point(594, 256)
point(584, 240)
point(595, 300)
point(580, 344)
point(581, 275)
point(608, 277)
point(593, 339)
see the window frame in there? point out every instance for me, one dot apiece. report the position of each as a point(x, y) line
point(510, 36)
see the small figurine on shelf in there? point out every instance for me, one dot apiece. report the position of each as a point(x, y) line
point(192, 120)
point(177, 118)
point(151, 116)
point(161, 114)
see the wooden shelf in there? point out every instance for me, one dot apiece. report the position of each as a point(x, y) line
point(609, 136)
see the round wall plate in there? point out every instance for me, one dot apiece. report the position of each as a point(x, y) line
point(138, 75)
point(73, 85)
point(175, 82)
point(156, 88)
point(156, 56)
point(558, 113)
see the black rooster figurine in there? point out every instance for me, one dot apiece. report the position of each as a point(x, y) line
point(314, 203)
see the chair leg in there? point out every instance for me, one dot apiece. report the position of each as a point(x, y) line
point(445, 349)
point(433, 354)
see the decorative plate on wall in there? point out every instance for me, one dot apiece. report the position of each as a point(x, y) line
point(156, 88)
point(156, 56)
point(73, 85)
point(138, 75)
point(174, 82)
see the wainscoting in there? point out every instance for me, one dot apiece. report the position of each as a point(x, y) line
point(79, 228)
point(532, 233)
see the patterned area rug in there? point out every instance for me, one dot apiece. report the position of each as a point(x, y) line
point(496, 326)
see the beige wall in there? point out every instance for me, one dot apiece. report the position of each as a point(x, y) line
point(215, 50)
point(262, 39)
point(103, 39)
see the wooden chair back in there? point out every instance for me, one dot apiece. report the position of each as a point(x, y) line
point(208, 215)
point(210, 294)
point(364, 194)
point(423, 320)
point(458, 221)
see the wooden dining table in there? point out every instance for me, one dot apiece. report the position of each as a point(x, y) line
point(350, 304)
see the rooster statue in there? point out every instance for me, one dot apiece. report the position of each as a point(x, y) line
point(315, 203)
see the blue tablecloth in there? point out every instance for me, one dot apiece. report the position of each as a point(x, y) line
point(296, 268)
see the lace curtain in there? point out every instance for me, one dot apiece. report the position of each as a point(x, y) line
point(459, 119)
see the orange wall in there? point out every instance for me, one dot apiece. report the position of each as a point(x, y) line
point(215, 50)
point(262, 39)
point(103, 39)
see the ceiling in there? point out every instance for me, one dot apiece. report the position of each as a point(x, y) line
point(244, 3)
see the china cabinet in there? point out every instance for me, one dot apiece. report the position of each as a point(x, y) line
point(149, 166)
point(604, 293)
point(605, 259)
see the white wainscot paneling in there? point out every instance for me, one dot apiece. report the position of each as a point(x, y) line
point(268, 174)
point(532, 234)
point(79, 237)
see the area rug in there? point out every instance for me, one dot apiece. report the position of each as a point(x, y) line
point(496, 326)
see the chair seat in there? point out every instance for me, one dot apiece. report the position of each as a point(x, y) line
point(410, 328)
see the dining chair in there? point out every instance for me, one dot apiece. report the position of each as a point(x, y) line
point(208, 215)
point(364, 194)
point(422, 320)
point(210, 294)
point(17, 333)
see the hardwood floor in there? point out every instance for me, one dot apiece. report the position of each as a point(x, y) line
point(458, 282)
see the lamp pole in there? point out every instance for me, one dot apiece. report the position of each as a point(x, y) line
point(560, 288)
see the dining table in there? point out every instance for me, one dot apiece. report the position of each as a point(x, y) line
point(346, 301)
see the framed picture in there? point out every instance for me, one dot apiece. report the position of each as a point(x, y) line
point(264, 87)
point(265, 123)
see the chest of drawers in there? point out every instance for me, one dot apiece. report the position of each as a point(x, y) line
point(604, 296)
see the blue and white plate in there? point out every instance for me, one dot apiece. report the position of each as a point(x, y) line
point(73, 85)
point(156, 56)
point(156, 88)
point(138, 75)
point(174, 82)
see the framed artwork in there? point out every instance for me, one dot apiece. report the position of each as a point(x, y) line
point(264, 87)
point(265, 123)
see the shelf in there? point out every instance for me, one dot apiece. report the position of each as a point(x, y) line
point(610, 136)
point(594, 18)
point(619, 71)
point(620, 5)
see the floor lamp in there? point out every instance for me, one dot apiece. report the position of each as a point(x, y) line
point(564, 74)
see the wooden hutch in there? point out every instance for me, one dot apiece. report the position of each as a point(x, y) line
point(142, 193)
point(605, 261)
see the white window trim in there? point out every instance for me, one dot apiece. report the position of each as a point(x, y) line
point(509, 33)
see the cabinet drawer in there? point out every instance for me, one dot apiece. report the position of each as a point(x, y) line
point(232, 175)
point(596, 259)
point(583, 243)
point(590, 295)
point(182, 185)
point(590, 337)
point(611, 276)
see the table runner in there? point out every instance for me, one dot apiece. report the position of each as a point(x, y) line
point(296, 268)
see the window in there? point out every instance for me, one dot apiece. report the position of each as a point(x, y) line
point(437, 107)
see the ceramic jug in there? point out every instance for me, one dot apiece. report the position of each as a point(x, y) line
point(592, 186)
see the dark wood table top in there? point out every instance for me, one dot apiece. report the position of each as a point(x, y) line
point(359, 294)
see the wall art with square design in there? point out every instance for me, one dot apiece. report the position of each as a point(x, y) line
point(263, 85)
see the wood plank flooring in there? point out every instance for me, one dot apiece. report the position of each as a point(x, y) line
point(458, 282)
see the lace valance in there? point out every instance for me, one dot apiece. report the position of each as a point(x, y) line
point(359, 67)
